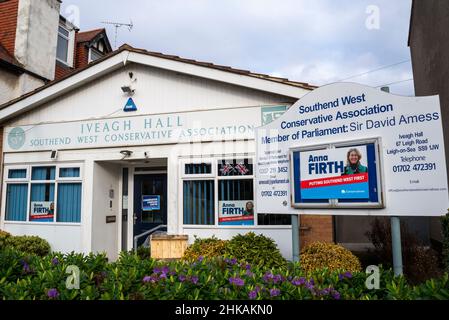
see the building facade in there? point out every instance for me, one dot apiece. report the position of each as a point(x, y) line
point(429, 48)
point(37, 45)
point(137, 140)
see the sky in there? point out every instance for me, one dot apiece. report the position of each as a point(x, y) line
point(318, 42)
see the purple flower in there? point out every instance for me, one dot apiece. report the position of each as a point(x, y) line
point(309, 285)
point(248, 267)
point(233, 261)
point(325, 292)
point(165, 269)
point(156, 270)
point(277, 278)
point(237, 281)
point(200, 258)
point(275, 292)
point(194, 279)
point(345, 275)
point(26, 266)
point(53, 293)
point(151, 279)
point(249, 273)
point(163, 276)
point(299, 282)
point(55, 261)
point(182, 278)
point(252, 294)
point(267, 277)
point(335, 294)
point(172, 273)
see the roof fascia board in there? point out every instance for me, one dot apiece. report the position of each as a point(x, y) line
point(218, 75)
point(64, 86)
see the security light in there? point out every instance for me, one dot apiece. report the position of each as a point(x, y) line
point(128, 90)
point(126, 153)
point(54, 154)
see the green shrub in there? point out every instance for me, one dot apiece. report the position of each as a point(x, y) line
point(256, 250)
point(206, 248)
point(29, 244)
point(30, 277)
point(320, 255)
point(3, 238)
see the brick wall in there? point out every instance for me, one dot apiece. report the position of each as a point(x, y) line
point(61, 70)
point(315, 228)
point(8, 24)
point(81, 56)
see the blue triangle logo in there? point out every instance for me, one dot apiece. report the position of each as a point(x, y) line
point(130, 106)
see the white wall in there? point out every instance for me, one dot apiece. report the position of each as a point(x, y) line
point(157, 91)
point(105, 235)
point(36, 36)
point(64, 238)
point(8, 82)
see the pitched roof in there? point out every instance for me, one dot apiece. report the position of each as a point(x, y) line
point(303, 85)
point(128, 48)
point(87, 36)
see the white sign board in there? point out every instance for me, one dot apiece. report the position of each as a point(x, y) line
point(411, 161)
point(211, 125)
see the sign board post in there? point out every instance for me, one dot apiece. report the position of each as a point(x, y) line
point(295, 237)
point(349, 149)
point(396, 244)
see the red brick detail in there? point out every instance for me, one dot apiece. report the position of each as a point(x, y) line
point(8, 24)
point(62, 71)
point(315, 228)
point(81, 56)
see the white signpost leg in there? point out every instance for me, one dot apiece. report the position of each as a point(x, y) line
point(396, 245)
point(295, 237)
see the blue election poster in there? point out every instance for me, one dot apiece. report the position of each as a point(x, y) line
point(151, 202)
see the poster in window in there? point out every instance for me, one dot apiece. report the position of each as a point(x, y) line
point(235, 167)
point(42, 211)
point(151, 202)
point(236, 212)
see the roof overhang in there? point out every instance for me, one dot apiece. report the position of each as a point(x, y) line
point(120, 59)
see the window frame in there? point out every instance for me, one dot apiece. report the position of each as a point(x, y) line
point(29, 182)
point(216, 178)
point(197, 176)
point(10, 168)
point(100, 54)
point(70, 45)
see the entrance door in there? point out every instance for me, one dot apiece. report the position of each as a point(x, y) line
point(150, 202)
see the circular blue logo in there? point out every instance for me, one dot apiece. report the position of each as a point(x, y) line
point(16, 138)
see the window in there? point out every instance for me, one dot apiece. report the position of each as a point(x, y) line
point(199, 205)
point(236, 203)
point(94, 55)
point(44, 197)
point(65, 46)
point(197, 168)
point(220, 192)
point(17, 174)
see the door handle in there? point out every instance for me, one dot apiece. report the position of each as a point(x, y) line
point(135, 218)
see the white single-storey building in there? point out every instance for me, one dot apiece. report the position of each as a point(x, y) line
point(137, 140)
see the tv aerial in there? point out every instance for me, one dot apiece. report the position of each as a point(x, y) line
point(119, 25)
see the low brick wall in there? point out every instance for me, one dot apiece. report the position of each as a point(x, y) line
point(315, 228)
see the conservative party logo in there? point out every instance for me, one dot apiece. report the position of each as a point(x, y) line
point(16, 138)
